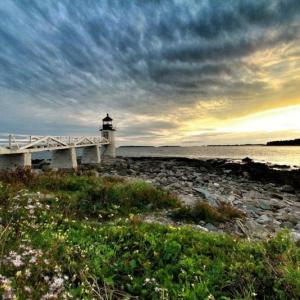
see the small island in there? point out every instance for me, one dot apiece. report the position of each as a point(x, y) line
point(295, 142)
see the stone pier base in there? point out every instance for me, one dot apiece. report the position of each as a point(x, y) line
point(91, 155)
point(64, 159)
point(13, 161)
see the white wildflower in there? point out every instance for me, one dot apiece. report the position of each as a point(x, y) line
point(57, 283)
point(27, 273)
point(17, 261)
point(33, 260)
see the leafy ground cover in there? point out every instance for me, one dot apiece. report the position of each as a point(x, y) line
point(82, 237)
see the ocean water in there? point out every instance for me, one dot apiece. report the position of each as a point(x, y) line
point(282, 155)
point(286, 155)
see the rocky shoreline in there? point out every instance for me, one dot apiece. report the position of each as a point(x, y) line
point(269, 197)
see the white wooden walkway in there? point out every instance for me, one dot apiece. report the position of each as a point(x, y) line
point(16, 150)
point(18, 143)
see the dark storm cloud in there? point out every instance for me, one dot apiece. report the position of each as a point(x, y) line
point(136, 56)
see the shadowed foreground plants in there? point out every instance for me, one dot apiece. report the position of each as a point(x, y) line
point(52, 246)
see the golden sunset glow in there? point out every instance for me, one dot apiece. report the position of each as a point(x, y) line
point(287, 118)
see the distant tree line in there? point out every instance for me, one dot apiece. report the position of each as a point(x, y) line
point(295, 142)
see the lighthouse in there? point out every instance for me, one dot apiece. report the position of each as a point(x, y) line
point(108, 132)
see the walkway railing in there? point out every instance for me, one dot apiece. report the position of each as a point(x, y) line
point(19, 142)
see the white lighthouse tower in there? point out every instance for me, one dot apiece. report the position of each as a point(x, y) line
point(108, 132)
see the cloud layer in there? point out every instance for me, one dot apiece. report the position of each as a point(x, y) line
point(152, 64)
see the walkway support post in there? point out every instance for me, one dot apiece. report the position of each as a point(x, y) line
point(64, 159)
point(13, 161)
point(91, 155)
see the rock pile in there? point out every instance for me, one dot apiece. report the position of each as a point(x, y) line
point(269, 207)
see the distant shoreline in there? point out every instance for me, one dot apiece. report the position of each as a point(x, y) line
point(237, 145)
point(275, 143)
point(295, 142)
point(132, 146)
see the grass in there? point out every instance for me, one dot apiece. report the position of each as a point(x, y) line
point(88, 196)
point(54, 245)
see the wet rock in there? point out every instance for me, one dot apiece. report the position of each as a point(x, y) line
point(268, 204)
point(246, 174)
point(287, 189)
point(247, 160)
point(130, 172)
point(122, 172)
point(282, 216)
point(205, 178)
point(254, 195)
point(231, 199)
point(188, 184)
point(275, 204)
point(211, 198)
point(292, 218)
point(176, 185)
point(227, 171)
point(263, 219)
point(280, 197)
point(201, 228)
point(264, 205)
point(255, 230)
point(295, 236)
point(211, 227)
point(287, 225)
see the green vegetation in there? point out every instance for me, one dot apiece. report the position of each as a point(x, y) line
point(82, 237)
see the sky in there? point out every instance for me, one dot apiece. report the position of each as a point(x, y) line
point(169, 72)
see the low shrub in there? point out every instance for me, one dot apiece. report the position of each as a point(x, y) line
point(140, 195)
point(229, 212)
point(90, 196)
point(204, 211)
point(19, 176)
point(109, 198)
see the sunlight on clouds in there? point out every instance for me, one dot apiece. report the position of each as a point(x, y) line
point(271, 120)
point(256, 128)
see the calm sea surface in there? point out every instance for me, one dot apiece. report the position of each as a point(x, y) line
point(274, 155)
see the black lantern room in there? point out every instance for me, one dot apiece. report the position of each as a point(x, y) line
point(107, 123)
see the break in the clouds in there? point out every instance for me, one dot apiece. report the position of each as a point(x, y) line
point(163, 69)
